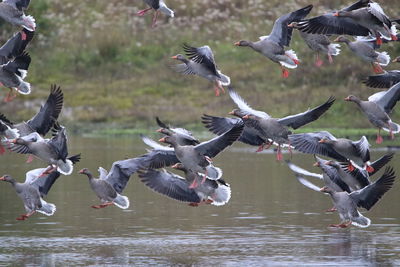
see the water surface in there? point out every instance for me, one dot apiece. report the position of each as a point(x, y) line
point(270, 220)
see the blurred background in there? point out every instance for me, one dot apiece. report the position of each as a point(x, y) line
point(114, 68)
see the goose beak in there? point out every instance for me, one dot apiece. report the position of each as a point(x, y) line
point(336, 14)
point(347, 99)
point(162, 140)
point(237, 43)
point(396, 60)
point(231, 113)
point(174, 57)
point(81, 171)
point(336, 40)
point(329, 163)
point(316, 164)
point(159, 130)
point(322, 141)
point(2, 178)
point(291, 25)
point(246, 117)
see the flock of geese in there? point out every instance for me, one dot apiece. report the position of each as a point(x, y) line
point(346, 175)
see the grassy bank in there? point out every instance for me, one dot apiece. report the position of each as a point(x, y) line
point(113, 67)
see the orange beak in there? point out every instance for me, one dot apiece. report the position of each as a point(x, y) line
point(231, 113)
point(246, 117)
point(14, 141)
point(159, 130)
point(237, 43)
point(336, 14)
point(174, 57)
point(2, 178)
point(316, 164)
point(336, 40)
point(322, 141)
point(347, 99)
point(291, 25)
point(81, 171)
point(162, 140)
point(396, 60)
point(323, 189)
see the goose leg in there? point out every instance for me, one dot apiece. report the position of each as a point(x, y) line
point(318, 61)
point(10, 96)
point(194, 184)
point(330, 58)
point(29, 159)
point(377, 68)
point(194, 204)
point(49, 170)
point(378, 39)
point(333, 209)
point(23, 35)
point(216, 89)
point(379, 138)
point(142, 12)
point(104, 205)
point(279, 156)
point(155, 19)
point(204, 178)
point(285, 72)
point(391, 133)
point(2, 150)
point(23, 217)
point(350, 167)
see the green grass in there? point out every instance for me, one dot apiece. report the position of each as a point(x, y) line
point(113, 67)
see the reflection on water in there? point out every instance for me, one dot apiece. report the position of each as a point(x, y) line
point(270, 220)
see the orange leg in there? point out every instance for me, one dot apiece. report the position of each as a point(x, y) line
point(379, 138)
point(285, 72)
point(318, 61)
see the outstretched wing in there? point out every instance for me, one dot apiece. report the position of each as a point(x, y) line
point(59, 142)
point(309, 143)
point(220, 125)
point(369, 195)
point(384, 80)
point(168, 184)
point(298, 120)
point(387, 99)
point(121, 171)
point(242, 105)
point(362, 146)
point(48, 114)
point(202, 55)
point(281, 33)
point(15, 46)
point(214, 146)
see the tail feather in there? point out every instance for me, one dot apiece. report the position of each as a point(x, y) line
point(166, 10)
point(333, 49)
point(24, 88)
point(29, 23)
point(225, 80)
point(221, 196)
point(383, 58)
point(47, 208)
point(360, 221)
point(66, 167)
point(393, 126)
point(292, 60)
point(121, 201)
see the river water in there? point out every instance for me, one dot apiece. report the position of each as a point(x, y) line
point(271, 219)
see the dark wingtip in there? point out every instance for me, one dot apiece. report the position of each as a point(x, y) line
point(161, 124)
point(75, 158)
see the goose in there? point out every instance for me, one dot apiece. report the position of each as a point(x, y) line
point(201, 62)
point(44, 119)
point(347, 203)
point(13, 73)
point(215, 192)
point(184, 137)
point(34, 189)
point(260, 128)
point(362, 18)
point(366, 51)
point(319, 43)
point(157, 5)
point(198, 158)
point(109, 186)
point(54, 151)
point(12, 11)
point(272, 46)
point(355, 153)
point(377, 109)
